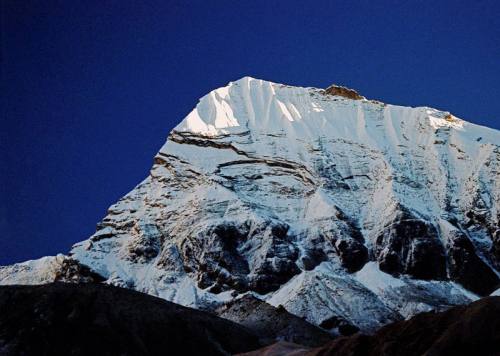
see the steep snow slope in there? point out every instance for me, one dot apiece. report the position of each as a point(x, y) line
point(336, 208)
point(39, 271)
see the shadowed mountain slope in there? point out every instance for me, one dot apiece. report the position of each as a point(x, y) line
point(462, 330)
point(95, 319)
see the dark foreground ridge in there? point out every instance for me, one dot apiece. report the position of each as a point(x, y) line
point(463, 330)
point(271, 324)
point(93, 319)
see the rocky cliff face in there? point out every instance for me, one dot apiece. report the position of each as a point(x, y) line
point(336, 207)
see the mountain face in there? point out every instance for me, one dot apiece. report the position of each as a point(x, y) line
point(342, 210)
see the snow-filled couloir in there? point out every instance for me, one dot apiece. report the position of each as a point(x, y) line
point(337, 207)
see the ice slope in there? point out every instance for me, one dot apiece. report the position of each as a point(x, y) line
point(332, 207)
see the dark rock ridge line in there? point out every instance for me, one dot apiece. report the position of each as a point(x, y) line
point(271, 324)
point(462, 330)
point(95, 319)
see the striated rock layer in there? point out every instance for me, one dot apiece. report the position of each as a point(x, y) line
point(343, 210)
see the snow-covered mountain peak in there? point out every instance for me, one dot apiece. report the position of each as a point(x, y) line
point(256, 105)
point(320, 200)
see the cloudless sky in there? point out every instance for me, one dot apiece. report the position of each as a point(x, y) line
point(90, 89)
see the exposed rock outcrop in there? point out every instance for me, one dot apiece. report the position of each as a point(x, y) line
point(410, 245)
point(343, 91)
point(247, 256)
point(467, 268)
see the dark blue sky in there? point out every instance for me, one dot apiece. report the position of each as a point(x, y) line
point(90, 89)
